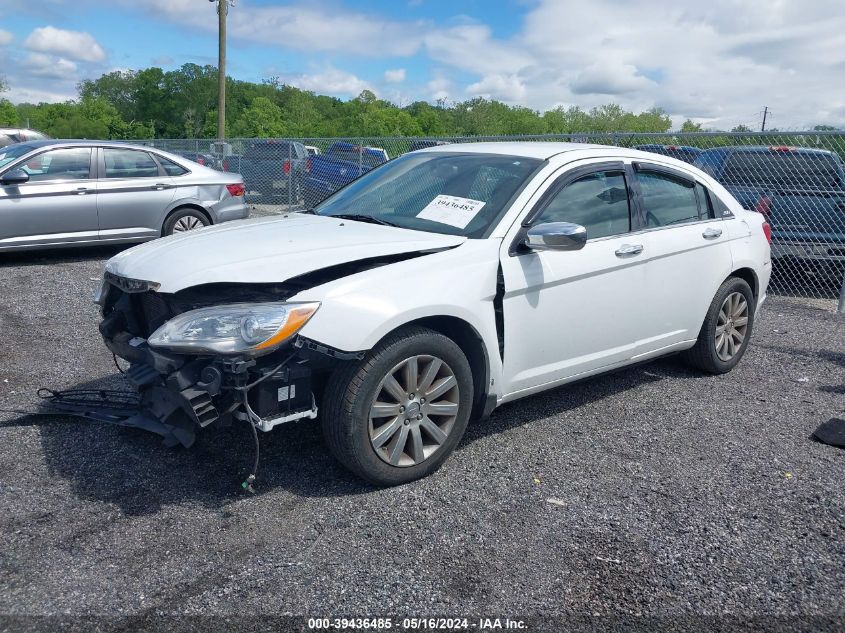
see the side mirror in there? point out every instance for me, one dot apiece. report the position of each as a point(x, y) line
point(556, 236)
point(14, 177)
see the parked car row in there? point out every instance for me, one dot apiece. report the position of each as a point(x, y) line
point(58, 193)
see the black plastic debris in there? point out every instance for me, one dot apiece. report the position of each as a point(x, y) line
point(831, 432)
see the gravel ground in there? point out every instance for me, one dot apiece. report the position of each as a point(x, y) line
point(653, 491)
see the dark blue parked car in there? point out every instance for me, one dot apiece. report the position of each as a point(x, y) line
point(341, 164)
point(800, 190)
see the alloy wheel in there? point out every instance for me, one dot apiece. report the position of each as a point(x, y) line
point(414, 410)
point(187, 223)
point(731, 326)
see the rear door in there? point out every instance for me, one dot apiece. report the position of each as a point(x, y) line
point(57, 205)
point(689, 253)
point(133, 196)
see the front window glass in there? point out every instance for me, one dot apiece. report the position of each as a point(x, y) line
point(59, 164)
point(13, 152)
point(598, 202)
point(129, 163)
point(458, 194)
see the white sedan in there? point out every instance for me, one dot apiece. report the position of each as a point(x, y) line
point(433, 289)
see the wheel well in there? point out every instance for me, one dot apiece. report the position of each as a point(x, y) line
point(472, 345)
point(748, 275)
point(194, 207)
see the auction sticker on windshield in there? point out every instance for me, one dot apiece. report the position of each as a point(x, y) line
point(452, 210)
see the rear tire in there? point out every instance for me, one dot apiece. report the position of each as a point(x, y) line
point(184, 220)
point(392, 439)
point(726, 330)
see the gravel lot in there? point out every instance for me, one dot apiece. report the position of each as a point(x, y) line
point(651, 491)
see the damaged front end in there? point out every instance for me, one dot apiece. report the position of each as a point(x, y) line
point(213, 354)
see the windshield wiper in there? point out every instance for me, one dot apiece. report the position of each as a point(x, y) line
point(360, 217)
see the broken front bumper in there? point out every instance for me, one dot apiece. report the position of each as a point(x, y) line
point(180, 393)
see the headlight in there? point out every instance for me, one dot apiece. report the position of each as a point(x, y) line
point(238, 328)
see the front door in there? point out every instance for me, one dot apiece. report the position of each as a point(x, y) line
point(570, 313)
point(57, 205)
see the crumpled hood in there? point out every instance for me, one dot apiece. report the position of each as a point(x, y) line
point(267, 250)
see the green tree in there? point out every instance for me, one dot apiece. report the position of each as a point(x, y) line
point(691, 126)
point(262, 118)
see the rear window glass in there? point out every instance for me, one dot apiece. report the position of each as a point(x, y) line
point(667, 200)
point(129, 163)
point(270, 151)
point(799, 170)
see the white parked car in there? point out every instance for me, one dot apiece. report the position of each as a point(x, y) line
point(433, 289)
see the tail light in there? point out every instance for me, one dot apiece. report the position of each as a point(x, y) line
point(308, 165)
point(225, 165)
point(780, 148)
point(286, 167)
point(764, 205)
point(201, 160)
point(237, 189)
point(767, 231)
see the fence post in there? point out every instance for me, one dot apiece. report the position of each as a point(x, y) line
point(290, 174)
point(841, 307)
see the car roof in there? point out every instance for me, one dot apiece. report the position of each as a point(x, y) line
point(527, 149)
point(759, 149)
point(85, 143)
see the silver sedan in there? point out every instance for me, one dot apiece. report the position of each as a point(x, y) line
point(59, 193)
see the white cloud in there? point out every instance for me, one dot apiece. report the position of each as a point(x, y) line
point(610, 79)
point(50, 67)
point(72, 44)
point(6, 38)
point(394, 76)
point(508, 88)
point(330, 81)
point(718, 62)
point(439, 88)
point(303, 27)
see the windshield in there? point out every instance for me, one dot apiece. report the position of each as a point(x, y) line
point(458, 194)
point(13, 152)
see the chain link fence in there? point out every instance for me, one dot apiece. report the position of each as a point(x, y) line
point(796, 179)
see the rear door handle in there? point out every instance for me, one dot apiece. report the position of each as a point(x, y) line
point(160, 186)
point(711, 234)
point(629, 250)
point(81, 191)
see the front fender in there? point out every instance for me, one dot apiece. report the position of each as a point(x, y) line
point(356, 312)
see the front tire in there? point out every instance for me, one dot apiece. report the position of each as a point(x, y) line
point(726, 330)
point(397, 414)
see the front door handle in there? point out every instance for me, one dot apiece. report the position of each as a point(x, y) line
point(629, 250)
point(81, 191)
point(711, 234)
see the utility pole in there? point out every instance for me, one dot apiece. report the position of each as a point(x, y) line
point(765, 114)
point(222, 11)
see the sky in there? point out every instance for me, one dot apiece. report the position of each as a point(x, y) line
point(717, 62)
